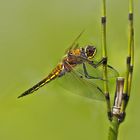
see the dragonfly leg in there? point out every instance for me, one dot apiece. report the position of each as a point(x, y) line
point(95, 65)
point(87, 75)
point(102, 61)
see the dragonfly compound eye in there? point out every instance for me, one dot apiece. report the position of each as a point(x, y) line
point(90, 51)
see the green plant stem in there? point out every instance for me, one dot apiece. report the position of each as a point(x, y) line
point(114, 124)
point(113, 129)
point(104, 55)
point(130, 57)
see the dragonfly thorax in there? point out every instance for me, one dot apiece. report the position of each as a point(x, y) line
point(90, 51)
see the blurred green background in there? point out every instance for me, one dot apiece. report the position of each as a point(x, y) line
point(33, 37)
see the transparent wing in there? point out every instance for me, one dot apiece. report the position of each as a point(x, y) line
point(112, 72)
point(74, 45)
point(75, 82)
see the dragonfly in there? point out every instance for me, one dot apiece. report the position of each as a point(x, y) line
point(74, 57)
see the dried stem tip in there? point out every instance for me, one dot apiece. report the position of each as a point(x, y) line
point(118, 96)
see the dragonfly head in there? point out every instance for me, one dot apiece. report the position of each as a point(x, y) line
point(90, 51)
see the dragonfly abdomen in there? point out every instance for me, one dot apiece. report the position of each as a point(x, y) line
point(55, 73)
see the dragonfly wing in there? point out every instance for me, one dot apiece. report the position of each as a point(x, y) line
point(112, 72)
point(77, 84)
point(74, 45)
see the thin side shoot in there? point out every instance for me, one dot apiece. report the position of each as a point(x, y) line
point(129, 60)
